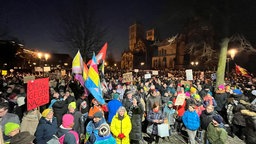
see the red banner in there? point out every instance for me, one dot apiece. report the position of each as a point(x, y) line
point(37, 93)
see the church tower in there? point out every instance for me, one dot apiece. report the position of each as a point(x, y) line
point(136, 32)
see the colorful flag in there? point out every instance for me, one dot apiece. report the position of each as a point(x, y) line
point(93, 81)
point(101, 55)
point(77, 64)
point(242, 71)
point(85, 71)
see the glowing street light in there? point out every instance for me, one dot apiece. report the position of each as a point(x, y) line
point(232, 53)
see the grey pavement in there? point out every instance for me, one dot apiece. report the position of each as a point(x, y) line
point(178, 139)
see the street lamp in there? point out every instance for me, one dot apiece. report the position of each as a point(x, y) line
point(232, 53)
point(194, 63)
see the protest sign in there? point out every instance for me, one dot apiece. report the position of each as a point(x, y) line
point(180, 99)
point(147, 76)
point(37, 93)
point(189, 74)
point(127, 77)
point(185, 82)
point(154, 72)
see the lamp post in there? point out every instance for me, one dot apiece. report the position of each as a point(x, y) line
point(194, 63)
point(232, 53)
point(42, 57)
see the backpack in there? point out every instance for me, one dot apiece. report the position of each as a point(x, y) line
point(60, 140)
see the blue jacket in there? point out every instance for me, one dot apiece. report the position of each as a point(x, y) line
point(191, 120)
point(169, 113)
point(113, 106)
point(45, 130)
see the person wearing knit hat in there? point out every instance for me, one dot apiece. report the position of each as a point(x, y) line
point(72, 107)
point(78, 124)
point(215, 133)
point(22, 138)
point(65, 133)
point(11, 129)
point(217, 119)
point(46, 112)
point(68, 121)
point(93, 130)
point(46, 127)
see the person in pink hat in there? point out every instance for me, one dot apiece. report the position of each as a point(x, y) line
point(65, 133)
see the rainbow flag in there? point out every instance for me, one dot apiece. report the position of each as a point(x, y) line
point(93, 81)
point(242, 71)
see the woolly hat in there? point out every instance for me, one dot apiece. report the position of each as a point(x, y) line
point(197, 97)
point(115, 96)
point(187, 94)
point(46, 112)
point(9, 127)
point(67, 120)
point(98, 115)
point(192, 90)
point(169, 102)
point(221, 87)
point(218, 118)
point(22, 138)
point(72, 105)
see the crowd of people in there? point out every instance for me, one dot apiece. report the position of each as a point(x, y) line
point(207, 114)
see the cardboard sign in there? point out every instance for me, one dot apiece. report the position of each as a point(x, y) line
point(127, 77)
point(170, 75)
point(185, 82)
point(180, 99)
point(189, 74)
point(28, 78)
point(37, 93)
point(154, 72)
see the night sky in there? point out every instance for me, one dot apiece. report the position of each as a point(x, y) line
point(33, 21)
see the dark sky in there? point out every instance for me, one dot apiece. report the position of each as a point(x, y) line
point(33, 21)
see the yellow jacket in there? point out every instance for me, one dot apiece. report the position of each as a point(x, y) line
point(117, 126)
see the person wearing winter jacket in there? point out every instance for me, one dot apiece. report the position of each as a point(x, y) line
point(155, 117)
point(250, 119)
point(192, 122)
point(121, 126)
point(47, 127)
point(216, 134)
point(170, 113)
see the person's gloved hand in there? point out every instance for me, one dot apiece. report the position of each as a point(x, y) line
point(121, 136)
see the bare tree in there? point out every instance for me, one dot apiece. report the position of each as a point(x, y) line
point(241, 43)
point(78, 29)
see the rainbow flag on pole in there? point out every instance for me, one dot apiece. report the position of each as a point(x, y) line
point(93, 81)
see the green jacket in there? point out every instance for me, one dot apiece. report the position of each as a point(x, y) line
point(216, 135)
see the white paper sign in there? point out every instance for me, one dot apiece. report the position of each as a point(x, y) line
point(180, 99)
point(189, 74)
point(147, 76)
